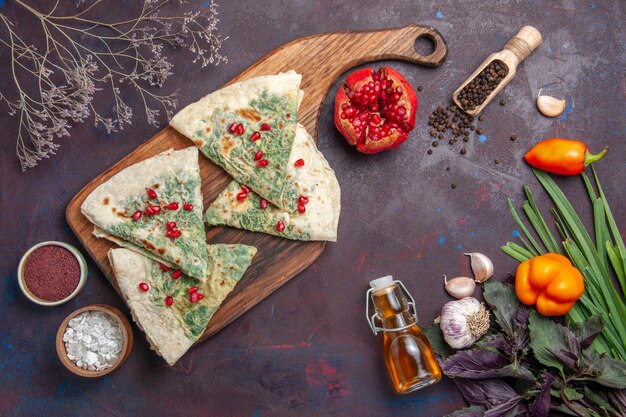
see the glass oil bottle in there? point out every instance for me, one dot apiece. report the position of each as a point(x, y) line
point(409, 356)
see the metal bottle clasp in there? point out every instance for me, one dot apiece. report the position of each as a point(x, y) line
point(370, 319)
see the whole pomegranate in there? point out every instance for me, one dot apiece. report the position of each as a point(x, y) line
point(375, 110)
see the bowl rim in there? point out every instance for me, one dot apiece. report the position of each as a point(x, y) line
point(127, 344)
point(82, 263)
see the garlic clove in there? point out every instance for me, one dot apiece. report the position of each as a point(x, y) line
point(459, 287)
point(481, 266)
point(550, 106)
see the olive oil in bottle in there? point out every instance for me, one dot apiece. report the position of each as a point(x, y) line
point(410, 358)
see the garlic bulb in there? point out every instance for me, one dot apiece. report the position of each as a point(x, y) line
point(550, 106)
point(459, 287)
point(481, 266)
point(463, 322)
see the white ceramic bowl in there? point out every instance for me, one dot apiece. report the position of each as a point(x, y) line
point(81, 282)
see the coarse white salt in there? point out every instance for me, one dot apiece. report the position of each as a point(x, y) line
point(93, 340)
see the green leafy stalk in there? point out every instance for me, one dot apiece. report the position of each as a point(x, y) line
point(594, 260)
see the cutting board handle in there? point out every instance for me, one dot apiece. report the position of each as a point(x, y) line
point(323, 58)
point(404, 43)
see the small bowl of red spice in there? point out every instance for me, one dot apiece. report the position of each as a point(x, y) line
point(51, 273)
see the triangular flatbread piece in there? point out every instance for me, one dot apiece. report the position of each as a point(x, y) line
point(174, 177)
point(266, 109)
point(314, 180)
point(172, 330)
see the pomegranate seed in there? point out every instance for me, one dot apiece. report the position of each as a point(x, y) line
point(262, 163)
point(200, 296)
point(192, 290)
point(239, 129)
point(152, 210)
point(303, 200)
point(299, 163)
point(188, 207)
point(242, 196)
point(170, 225)
point(233, 127)
point(173, 233)
point(245, 189)
point(164, 267)
point(172, 206)
point(258, 155)
point(263, 204)
point(255, 136)
point(301, 208)
point(169, 300)
point(265, 127)
point(144, 287)
point(177, 233)
point(374, 118)
point(151, 193)
point(280, 226)
point(176, 274)
point(193, 297)
point(137, 215)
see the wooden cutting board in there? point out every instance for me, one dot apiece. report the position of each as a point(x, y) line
point(321, 59)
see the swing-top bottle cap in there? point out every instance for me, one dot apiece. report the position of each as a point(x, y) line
point(380, 283)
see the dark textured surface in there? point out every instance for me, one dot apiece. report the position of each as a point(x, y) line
point(307, 349)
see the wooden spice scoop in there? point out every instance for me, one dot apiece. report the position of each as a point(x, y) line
point(515, 51)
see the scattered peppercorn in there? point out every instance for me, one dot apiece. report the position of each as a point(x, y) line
point(481, 117)
point(513, 138)
point(463, 151)
point(429, 152)
point(453, 185)
point(420, 88)
point(448, 168)
point(497, 161)
point(453, 124)
point(502, 102)
point(435, 143)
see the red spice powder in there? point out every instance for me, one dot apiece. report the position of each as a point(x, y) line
point(51, 272)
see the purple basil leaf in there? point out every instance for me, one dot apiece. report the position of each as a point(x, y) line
point(541, 406)
point(493, 342)
point(599, 399)
point(471, 411)
point(606, 371)
point(587, 331)
point(521, 316)
point(474, 364)
point(508, 408)
point(472, 391)
point(567, 358)
point(486, 391)
point(618, 398)
point(574, 344)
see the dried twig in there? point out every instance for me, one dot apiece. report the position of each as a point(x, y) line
point(82, 55)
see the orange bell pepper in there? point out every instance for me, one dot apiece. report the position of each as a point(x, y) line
point(562, 156)
point(550, 282)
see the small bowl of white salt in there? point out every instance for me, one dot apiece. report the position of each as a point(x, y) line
point(94, 340)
